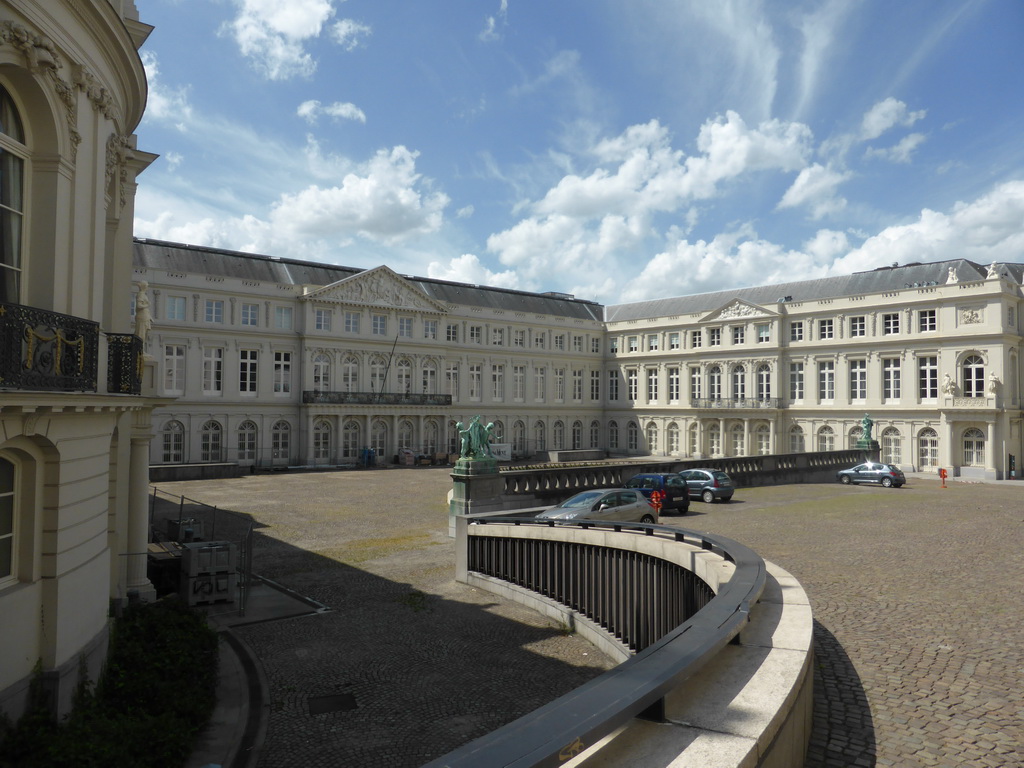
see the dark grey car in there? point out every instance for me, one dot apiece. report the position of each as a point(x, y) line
point(621, 504)
point(708, 484)
point(886, 475)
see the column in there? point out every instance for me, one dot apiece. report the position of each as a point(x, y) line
point(138, 518)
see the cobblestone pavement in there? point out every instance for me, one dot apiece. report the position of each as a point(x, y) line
point(917, 597)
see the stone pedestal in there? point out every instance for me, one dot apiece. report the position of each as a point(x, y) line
point(476, 487)
point(873, 449)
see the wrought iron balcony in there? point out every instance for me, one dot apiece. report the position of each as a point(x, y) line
point(373, 398)
point(736, 403)
point(124, 364)
point(43, 350)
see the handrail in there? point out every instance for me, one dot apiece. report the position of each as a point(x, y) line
point(555, 732)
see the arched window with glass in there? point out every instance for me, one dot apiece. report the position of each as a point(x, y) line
point(430, 433)
point(378, 371)
point(651, 436)
point(763, 438)
point(247, 438)
point(430, 378)
point(892, 446)
point(974, 376)
point(595, 434)
point(739, 382)
point(321, 373)
point(764, 382)
point(538, 435)
point(211, 442)
point(693, 440)
point(379, 437)
point(856, 435)
point(632, 436)
point(403, 372)
point(613, 435)
point(173, 440)
point(405, 435)
point(498, 433)
point(322, 440)
point(672, 439)
point(349, 374)
point(796, 440)
point(13, 153)
point(577, 435)
point(738, 441)
point(928, 448)
point(715, 440)
point(974, 447)
point(714, 383)
point(558, 435)
point(518, 438)
point(281, 441)
point(826, 439)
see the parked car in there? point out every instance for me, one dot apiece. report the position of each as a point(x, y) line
point(708, 484)
point(621, 504)
point(886, 475)
point(675, 497)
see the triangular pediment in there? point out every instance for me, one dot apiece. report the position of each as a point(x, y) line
point(737, 309)
point(377, 287)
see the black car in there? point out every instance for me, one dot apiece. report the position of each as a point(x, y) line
point(708, 484)
point(672, 487)
point(886, 475)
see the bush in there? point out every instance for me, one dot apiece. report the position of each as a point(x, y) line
point(157, 691)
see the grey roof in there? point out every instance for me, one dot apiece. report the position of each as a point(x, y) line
point(857, 284)
point(191, 259)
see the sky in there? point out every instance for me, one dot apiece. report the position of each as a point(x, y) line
point(616, 150)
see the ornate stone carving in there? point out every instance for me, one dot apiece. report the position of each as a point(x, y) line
point(378, 287)
point(972, 316)
point(119, 150)
point(740, 310)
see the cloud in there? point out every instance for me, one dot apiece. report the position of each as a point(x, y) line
point(887, 114)
point(815, 187)
point(469, 269)
point(273, 34)
point(490, 30)
point(311, 110)
point(164, 104)
point(900, 152)
point(349, 33)
point(465, 212)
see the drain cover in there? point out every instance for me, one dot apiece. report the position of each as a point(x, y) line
point(338, 702)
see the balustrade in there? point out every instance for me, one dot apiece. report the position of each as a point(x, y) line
point(43, 350)
point(373, 398)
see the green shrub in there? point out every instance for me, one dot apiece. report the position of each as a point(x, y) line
point(157, 691)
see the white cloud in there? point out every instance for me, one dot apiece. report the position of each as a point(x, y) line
point(490, 30)
point(273, 34)
point(468, 269)
point(349, 33)
point(312, 109)
point(815, 187)
point(465, 212)
point(900, 152)
point(164, 104)
point(887, 114)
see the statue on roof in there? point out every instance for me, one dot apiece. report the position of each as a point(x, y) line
point(951, 276)
point(993, 271)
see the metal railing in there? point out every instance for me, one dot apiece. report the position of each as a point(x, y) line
point(310, 397)
point(47, 351)
point(616, 587)
point(124, 364)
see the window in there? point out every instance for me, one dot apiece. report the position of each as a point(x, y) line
point(633, 343)
point(350, 439)
point(739, 382)
point(891, 378)
point(577, 435)
point(595, 434)
point(280, 440)
point(974, 448)
point(173, 438)
point(825, 329)
point(613, 434)
point(595, 346)
point(321, 440)
point(498, 382)
point(560, 341)
point(796, 331)
point(476, 334)
point(519, 338)
point(739, 334)
point(379, 325)
point(764, 382)
point(378, 370)
point(714, 337)
point(595, 385)
point(538, 341)
point(796, 382)
point(826, 380)
point(928, 448)
point(282, 372)
point(764, 333)
point(559, 374)
point(322, 319)
point(974, 376)
point(519, 382)
point(631, 385)
point(715, 383)
point(613, 345)
point(632, 436)
point(214, 311)
point(430, 433)
point(251, 314)
point(892, 446)
point(175, 305)
point(763, 438)
point(558, 435)
point(405, 327)
point(403, 374)
point(247, 360)
point(352, 322)
point(451, 379)
point(858, 326)
point(8, 567)
point(538, 435)
point(613, 385)
point(890, 323)
point(213, 371)
point(738, 440)
point(210, 442)
point(796, 440)
point(405, 433)
point(540, 384)
point(715, 440)
point(928, 377)
point(430, 329)
point(174, 368)
point(695, 380)
point(652, 385)
point(429, 374)
point(826, 439)
point(652, 342)
point(673, 340)
point(475, 376)
point(12, 204)
point(452, 333)
point(858, 379)
point(695, 339)
point(651, 436)
point(577, 346)
point(321, 373)
point(927, 320)
point(498, 337)
point(672, 438)
point(673, 385)
point(283, 318)
point(247, 441)
point(379, 437)
point(577, 384)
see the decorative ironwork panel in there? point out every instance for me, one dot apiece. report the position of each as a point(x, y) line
point(373, 398)
point(124, 364)
point(42, 350)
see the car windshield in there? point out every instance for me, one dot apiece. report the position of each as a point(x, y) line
point(582, 499)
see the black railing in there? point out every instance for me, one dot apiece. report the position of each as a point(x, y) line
point(373, 398)
point(43, 350)
point(124, 364)
point(737, 402)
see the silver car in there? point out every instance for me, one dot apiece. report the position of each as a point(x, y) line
point(619, 504)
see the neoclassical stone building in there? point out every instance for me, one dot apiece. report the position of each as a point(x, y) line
point(74, 424)
point(282, 362)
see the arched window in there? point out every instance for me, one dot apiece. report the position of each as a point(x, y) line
point(558, 435)
point(763, 436)
point(738, 443)
point(577, 435)
point(974, 376)
point(454, 438)
point(173, 438)
point(405, 435)
point(430, 378)
point(349, 374)
point(796, 440)
point(892, 446)
point(518, 438)
point(651, 436)
point(404, 373)
point(379, 437)
point(974, 448)
point(378, 368)
point(613, 435)
point(632, 436)
point(280, 440)
point(322, 440)
point(321, 373)
point(928, 448)
point(595, 434)
point(210, 442)
point(672, 439)
point(12, 200)
point(714, 383)
point(430, 433)
point(764, 382)
point(8, 517)
point(693, 446)
point(350, 434)
point(826, 439)
point(739, 382)
point(855, 437)
point(715, 440)
point(247, 434)
point(538, 435)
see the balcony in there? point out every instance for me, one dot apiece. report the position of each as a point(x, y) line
point(373, 398)
point(47, 351)
point(124, 364)
point(737, 403)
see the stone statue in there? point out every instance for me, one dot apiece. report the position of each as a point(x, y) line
point(993, 271)
point(951, 276)
point(947, 384)
point(866, 423)
point(476, 439)
point(143, 316)
point(993, 383)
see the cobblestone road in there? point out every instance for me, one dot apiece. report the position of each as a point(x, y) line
point(917, 596)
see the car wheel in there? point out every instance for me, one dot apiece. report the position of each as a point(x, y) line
point(887, 482)
point(708, 496)
point(844, 479)
point(647, 519)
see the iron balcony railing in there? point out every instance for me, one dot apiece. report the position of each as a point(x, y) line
point(43, 350)
point(124, 364)
point(373, 398)
point(737, 402)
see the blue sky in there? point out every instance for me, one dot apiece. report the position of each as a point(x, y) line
point(615, 150)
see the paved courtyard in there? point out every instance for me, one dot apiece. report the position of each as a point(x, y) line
point(917, 595)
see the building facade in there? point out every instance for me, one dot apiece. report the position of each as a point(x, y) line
point(281, 362)
point(74, 424)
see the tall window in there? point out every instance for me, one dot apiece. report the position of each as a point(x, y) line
point(518, 437)
point(974, 376)
point(211, 442)
point(452, 333)
point(652, 385)
point(613, 435)
point(430, 433)
point(247, 441)
point(350, 439)
point(173, 438)
point(595, 385)
point(631, 384)
point(796, 440)
point(174, 309)
point(321, 373)
point(558, 435)
point(405, 327)
point(763, 437)
point(322, 319)
point(694, 383)
point(430, 329)
point(715, 383)
point(738, 447)
point(321, 440)
point(613, 384)
point(595, 434)
point(715, 440)
point(379, 325)
point(892, 446)
point(826, 439)
point(430, 378)
point(378, 369)
point(673, 385)
point(498, 382)
point(796, 382)
point(559, 385)
point(539, 383)
point(174, 368)
point(651, 436)
point(928, 377)
point(405, 434)
point(764, 382)
point(476, 334)
point(826, 380)
point(403, 372)
point(695, 339)
point(250, 314)
point(475, 376)
point(739, 334)
point(349, 374)
point(928, 448)
point(858, 379)
point(796, 331)
point(577, 435)
point(451, 379)
point(538, 435)
point(283, 372)
point(632, 436)
point(672, 438)
point(280, 440)
point(577, 384)
point(12, 203)
point(739, 382)
point(247, 361)
point(891, 378)
point(213, 371)
point(518, 382)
